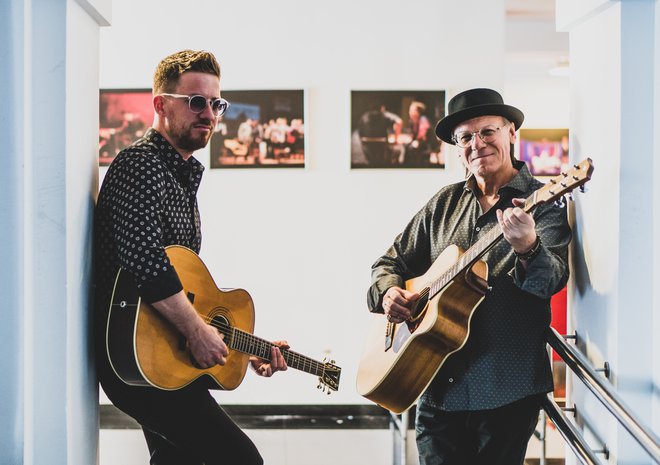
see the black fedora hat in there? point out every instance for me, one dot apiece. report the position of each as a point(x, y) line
point(471, 104)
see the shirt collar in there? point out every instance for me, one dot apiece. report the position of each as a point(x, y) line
point(520, 182)
point(187, 171)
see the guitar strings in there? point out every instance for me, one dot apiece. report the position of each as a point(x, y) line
point(242, 339)
point(484, 244)
point(478, 249)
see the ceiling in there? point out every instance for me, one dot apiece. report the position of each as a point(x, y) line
point(533, 44)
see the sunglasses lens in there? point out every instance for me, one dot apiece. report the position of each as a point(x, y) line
point(197, 103)
point(219, 107)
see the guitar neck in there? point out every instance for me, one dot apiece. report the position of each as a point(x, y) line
point(555, 188)
point(252, 345)
point(471, 255)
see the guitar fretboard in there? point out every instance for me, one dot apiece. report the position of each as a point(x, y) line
point(252, 345)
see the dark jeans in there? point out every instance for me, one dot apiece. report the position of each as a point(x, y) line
point(183, 427)
point(484, 437)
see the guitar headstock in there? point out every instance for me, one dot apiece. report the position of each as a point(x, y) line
point(329, 380)
point(560, 185)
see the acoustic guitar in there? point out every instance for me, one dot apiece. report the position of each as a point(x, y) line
point(401, 360)
point(146, 350)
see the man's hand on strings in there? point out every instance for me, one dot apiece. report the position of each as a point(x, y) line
point(277, 363)
point(397, 304)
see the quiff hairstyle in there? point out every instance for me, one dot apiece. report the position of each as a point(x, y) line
point(172, 67)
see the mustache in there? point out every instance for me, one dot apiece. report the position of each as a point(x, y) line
point(206, 122)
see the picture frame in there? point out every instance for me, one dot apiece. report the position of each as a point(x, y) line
point(124, 116)
point(544, 150)
point(261, 129)
point(396, 129)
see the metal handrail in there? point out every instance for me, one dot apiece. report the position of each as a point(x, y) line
point(571, 434)
point(581, 367)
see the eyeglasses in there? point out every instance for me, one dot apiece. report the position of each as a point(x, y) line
point(197, 103)
point(487, 134)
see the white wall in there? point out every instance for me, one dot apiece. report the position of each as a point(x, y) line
point(302, 241)
point(533, 48)
point(82, 43)
point(49, 408)
point(612, 297)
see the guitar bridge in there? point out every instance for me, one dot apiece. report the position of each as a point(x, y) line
point(389, 336)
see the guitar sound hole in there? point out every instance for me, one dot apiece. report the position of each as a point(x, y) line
point(418, 311)
point(222, 325)
point(420, 306)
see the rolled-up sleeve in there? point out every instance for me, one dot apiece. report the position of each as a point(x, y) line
point(408, 257)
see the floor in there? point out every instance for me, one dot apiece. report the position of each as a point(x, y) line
point(304, 447)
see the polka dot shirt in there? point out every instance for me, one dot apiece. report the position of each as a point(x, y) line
point(148, 201)
point(504, 359)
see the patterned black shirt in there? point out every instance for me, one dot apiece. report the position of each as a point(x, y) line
point(504, 359)
point(148, 201)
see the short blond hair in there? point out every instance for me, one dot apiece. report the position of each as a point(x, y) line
point(170, 68)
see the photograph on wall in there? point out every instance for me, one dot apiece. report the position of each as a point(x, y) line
point(544, 150)
point(396, 129)
point(125, 115)
point(261, 129)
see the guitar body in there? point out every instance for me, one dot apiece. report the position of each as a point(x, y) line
point(146, 350)
point(395, 376)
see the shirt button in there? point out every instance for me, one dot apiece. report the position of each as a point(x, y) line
point(477, 229)
point(451, 380)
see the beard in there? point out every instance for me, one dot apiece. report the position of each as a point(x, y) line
point(186, 139)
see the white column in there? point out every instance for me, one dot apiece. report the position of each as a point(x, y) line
point(612, 306)
point(49, 126)
point(11, 223)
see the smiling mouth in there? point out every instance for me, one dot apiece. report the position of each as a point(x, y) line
point(478, 156)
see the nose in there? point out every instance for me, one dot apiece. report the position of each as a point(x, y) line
point(476, 142)
point(208, 112)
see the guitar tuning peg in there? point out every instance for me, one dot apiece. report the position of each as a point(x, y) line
point(560, 202)
point(583, 188)
point(570, 196)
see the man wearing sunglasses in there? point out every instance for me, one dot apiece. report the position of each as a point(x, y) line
point(482, 406)
point(147, 202)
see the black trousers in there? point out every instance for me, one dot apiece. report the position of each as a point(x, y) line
point(183, 427)
point(484, 437)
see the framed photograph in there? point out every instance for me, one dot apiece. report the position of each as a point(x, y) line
point(261, 129)
point(544, 150)
point(125, 114)
point(396, 129)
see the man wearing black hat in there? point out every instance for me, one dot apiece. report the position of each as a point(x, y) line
point(482, 407)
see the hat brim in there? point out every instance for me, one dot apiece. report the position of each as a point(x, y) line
point(445, 127)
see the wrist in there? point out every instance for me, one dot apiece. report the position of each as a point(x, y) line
point(530, 253)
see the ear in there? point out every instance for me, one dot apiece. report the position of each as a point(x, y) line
point(512, 133)
point(159, 104)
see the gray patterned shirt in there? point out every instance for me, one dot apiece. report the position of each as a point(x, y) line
point(504, 359)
